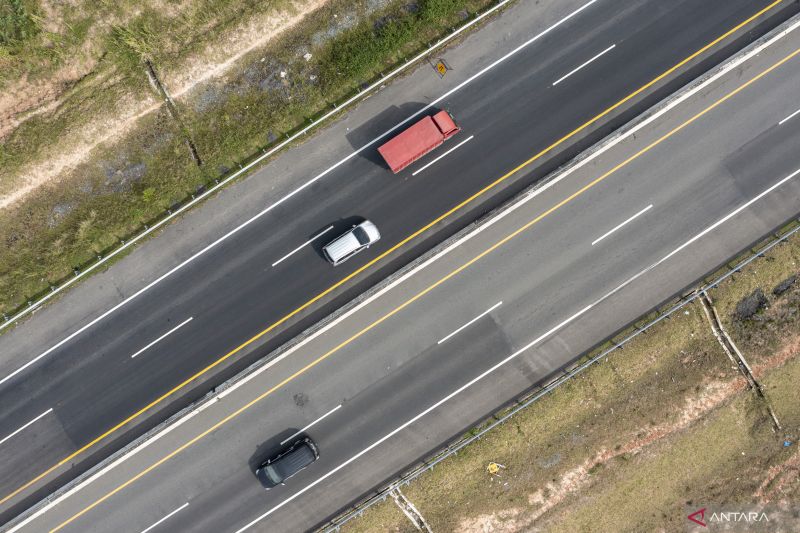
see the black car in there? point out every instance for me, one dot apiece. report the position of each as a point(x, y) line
point(290, 461)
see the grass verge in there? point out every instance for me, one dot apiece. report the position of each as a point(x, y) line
point(631, 443)
point(132, 181)
point(761, 335)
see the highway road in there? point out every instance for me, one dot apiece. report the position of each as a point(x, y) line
point(65, 382)
point(501, 308)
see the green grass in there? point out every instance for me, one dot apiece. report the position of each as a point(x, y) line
point(63, 226)
point(113, 199)
point(360, 52)
point(123, 31)
point(648, 492)
point(239, 126)
point(781, 388)
point(722, 457)
point(130, 45)
point(28, 49)
point(632, 392)
point(759, 338)
point(384, 517)
point(41, 132)
point(18, 24)
point(365, 50)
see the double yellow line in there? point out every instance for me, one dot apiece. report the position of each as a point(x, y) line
point(344, 280)
point(429, 288)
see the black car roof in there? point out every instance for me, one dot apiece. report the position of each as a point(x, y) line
point(295, 460)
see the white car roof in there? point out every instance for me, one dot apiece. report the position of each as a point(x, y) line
point(346, 244)
point(342, 246)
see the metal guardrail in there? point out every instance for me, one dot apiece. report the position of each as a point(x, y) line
point(662, 312)
point(37, 300)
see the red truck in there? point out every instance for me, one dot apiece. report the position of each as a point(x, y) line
point(417, 140)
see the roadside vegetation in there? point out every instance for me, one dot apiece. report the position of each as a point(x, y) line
point(666, 424)
point(90, 154)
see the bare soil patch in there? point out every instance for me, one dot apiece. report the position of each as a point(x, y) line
point(99, 158)
point(26, 98)
point(679, 427)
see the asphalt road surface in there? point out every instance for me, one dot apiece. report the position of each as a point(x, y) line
point(62, 391)
point(505, 307)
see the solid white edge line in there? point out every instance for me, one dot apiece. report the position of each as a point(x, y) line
point(309, 241)
point(705, 231)
point(26, 425)
point(278, 202)
point(620, 225)
point(417, 417)
point(523, 349)
point(104, 470)
point(726, 68)
point(465, 141)
point(358, 96)
point(162, 337)
point(181, 508)
point(789, 117)
point(311, 424)
point(468, 324)
point(576, 69)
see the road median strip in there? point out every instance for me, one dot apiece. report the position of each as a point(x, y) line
point(456, 271)
point(547, 183)
point(631, 409)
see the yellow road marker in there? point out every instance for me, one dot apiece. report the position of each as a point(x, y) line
point(428, 289)
point(403, 242)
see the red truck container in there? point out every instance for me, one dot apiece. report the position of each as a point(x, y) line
point(419, 139)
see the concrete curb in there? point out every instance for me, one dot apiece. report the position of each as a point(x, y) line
point(361, 95)
point(577, 367)
point(432, 255)
point(525, 400)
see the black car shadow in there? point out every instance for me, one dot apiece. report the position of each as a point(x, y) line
point(270, 448)
point(339, 227)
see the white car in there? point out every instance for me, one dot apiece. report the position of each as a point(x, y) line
point(356, 239)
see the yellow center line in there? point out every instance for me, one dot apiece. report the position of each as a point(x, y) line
point(428, 289)
point(400, 244)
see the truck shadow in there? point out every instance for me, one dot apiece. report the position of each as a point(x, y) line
point(380, 124)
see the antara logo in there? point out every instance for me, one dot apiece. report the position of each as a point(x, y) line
point(698, 517)
point(739, 517)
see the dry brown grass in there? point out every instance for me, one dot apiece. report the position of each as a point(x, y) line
point(97, 161)
point(631, 442)
point(81, 74)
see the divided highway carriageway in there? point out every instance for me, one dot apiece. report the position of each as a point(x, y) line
point(495, 315)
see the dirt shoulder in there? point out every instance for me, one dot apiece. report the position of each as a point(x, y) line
point(660, 427)
point(91, 153)
point(184, 67)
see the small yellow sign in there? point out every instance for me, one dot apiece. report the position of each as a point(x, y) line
point(441, 67)
point(494, 468)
